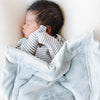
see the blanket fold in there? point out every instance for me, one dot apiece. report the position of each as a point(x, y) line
point(67, 77)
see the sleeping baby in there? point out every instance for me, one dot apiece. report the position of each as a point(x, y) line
point(43, 22)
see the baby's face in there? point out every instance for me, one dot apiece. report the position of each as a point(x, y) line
point(30, 24)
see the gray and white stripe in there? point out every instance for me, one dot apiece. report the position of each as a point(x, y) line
point(47, 51)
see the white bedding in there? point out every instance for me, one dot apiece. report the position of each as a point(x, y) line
point(80, 17)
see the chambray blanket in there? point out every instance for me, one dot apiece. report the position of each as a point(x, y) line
point(68, 77)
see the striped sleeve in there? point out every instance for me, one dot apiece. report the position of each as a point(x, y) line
point(28, 45)
point(40, 36)
point(52, 43)
point(18, 45)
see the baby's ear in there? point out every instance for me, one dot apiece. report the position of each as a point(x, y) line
point(49, 30)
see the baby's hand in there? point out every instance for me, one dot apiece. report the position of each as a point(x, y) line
point(41, 29)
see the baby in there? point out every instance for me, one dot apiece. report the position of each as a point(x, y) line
point(43, 22)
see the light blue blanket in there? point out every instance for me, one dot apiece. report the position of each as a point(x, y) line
point(67, 77)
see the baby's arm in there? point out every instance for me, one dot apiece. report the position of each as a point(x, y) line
point(52, 43)
point(40, 36)
point(28, 45)
point(18, 45)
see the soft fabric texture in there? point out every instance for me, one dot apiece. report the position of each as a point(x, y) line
point(70, 75)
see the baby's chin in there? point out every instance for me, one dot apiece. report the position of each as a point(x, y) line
point(26, 36)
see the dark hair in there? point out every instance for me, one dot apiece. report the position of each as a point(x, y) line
point(48, 13)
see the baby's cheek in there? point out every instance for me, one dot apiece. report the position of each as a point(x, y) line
point(31, 30)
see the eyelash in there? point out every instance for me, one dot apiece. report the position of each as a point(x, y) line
point(26, 24)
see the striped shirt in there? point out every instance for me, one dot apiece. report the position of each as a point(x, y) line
point(47, 51)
